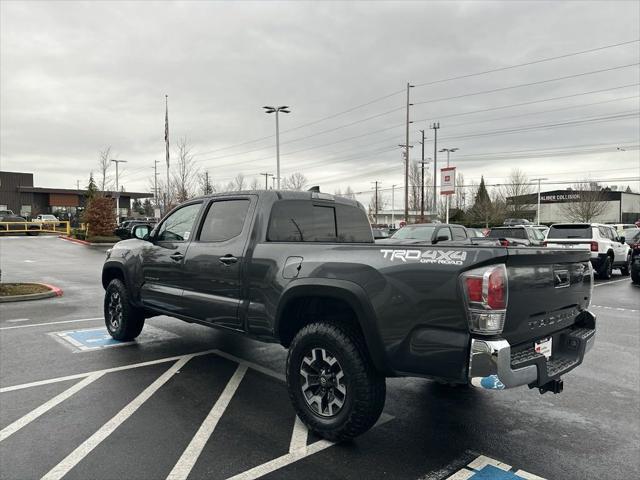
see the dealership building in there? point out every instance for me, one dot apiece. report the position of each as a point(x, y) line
point(619, 206)
point(18, 194)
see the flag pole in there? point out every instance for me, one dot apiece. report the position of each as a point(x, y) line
point(166, 143)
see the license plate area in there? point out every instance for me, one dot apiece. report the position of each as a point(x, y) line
point(544, 347)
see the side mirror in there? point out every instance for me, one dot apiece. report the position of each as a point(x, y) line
point(441, 238)
point(141, 232)
point(622, 239)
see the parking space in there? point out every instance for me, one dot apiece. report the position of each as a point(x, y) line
point(189, 402)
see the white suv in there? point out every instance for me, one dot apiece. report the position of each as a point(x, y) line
point(608, 250)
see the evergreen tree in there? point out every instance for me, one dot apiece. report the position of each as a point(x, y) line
point(91, 188)
point(482, 209)
point(148, 208)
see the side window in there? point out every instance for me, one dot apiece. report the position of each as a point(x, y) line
point(301, 221)
point(459, 233)
point(603, 233)
point(353, 225)
point(613, 234)
point(444, 232)
point(178, 226)
point(224, 220)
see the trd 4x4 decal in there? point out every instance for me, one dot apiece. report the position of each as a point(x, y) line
point(441, 257)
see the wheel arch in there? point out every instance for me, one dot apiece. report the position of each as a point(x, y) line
point(288, 321)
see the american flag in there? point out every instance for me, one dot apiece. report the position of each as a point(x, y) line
point(166, 127)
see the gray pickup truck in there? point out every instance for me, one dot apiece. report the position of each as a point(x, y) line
point(302, 269)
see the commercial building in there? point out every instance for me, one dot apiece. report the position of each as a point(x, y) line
point(559, 206)
point(18, 194)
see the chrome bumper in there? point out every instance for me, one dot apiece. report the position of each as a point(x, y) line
point(490, 363)
point(490, 366)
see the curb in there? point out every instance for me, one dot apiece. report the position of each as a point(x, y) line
point(53, 292)
point(84, 242)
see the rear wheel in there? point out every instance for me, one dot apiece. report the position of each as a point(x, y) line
point(626, 268)
point(123, 320)
point(606, 268)
point(334, 388)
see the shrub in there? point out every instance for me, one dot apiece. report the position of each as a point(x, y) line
point(100, 215)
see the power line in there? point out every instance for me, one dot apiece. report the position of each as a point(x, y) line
point(533, 62)
point(540, 82)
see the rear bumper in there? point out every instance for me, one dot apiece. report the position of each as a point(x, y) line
point(494, 366)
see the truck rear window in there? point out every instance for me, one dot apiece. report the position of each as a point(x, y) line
point(304, 221)
point(570, 231)
point(508, 233)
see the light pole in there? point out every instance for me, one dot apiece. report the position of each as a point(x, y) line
point(117, 189)
point(276, 110)
point(538, 211)
point(393, 206)
point(449, 151)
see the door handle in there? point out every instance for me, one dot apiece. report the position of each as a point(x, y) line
point(228, 259)
point(176, 256)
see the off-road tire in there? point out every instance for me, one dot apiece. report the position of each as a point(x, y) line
point(604, 272)
point(635, 277)
point(130, 321)
point(626, 268)
point(365, 387)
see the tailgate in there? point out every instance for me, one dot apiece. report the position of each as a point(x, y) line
point(583, 244)
point(547, 290)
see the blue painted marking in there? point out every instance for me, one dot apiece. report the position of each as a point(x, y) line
point(97, 337)
point(489, 472)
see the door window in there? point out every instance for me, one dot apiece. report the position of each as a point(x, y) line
point(224, 220)
point(178, 226)
point(444, 232)
point(459, 233)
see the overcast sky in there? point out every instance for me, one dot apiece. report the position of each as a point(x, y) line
point(76, 77)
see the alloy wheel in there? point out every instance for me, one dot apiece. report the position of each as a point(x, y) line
point(323, 388)
point(115, 310)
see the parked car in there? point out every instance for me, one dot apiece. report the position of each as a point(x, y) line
point(302, 269)
point(12, 224)
point(526, 235)
point(46, 218)
point(508, 222)
point(622, 226)
point(430, 233)
point(475, 232)
point(633, 240)
point(608, 250)
point(123, 230)
point(380, 233)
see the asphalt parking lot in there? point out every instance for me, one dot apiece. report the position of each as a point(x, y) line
point(186, 401)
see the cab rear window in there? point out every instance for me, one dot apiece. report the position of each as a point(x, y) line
point(508, 233)
point(304, 221)
point(570, 231)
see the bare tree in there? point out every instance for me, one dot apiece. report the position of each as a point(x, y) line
point(349, 193)
point(587, 201)
point(295, 181)
point(516, 191)
point(255, 184)
point(460, 197)
point(104, 163)
point(382, 204)
point(185, 174)
point(206, 188)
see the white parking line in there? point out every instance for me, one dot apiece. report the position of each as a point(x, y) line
point(620, 309)
point(294, 456)
point(50, 323)
point(108, 428)
point(16, 320)
point(612, 282)
point(298, 436)
point(191, 454)
point(106, 370)
point(45, 407)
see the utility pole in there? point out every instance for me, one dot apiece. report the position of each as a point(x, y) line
point(448, 150)
point(273, 182)
point(406, 157)
point(422, 162)
point(167, 155)
point(77, 184)
point(266, 179)
point(393, 206)
point(538, 211)
point(117, 162)
point(376, 201)
point(435, 126)
point(277, 110)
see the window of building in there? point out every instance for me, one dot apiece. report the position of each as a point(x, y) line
point(224, 220)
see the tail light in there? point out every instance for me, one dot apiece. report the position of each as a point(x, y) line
point(486, 297)
point(594, 246)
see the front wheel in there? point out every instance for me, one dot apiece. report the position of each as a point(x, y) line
point(606, 268)
point(334, 388)
point(626, 268)
point(124, 321)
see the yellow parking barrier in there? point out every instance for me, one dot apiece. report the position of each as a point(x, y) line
point(34, 228)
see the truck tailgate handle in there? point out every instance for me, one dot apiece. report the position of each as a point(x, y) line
point(228, 259)
point(176, 256)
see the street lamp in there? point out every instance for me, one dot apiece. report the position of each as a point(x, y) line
point(276, 110)
point(538, 211)
point(117, 189)
point(449, 151)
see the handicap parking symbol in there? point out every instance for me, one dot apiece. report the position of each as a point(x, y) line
point(90, 339)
